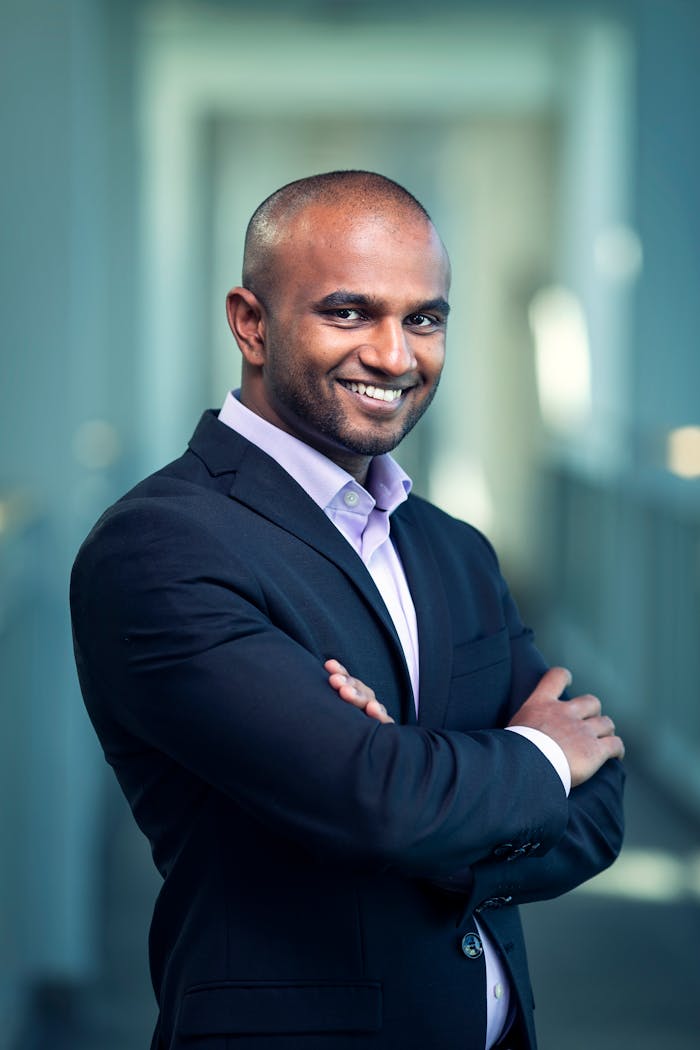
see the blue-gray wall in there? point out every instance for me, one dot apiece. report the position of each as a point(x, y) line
point(619, 576)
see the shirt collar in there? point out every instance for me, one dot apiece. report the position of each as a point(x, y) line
point(388, 484)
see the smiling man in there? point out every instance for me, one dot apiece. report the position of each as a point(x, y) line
point(342, 318)
point(350, 760)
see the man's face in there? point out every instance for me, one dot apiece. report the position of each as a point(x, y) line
point(354, 332)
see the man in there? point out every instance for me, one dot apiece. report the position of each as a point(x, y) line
point(317, 694)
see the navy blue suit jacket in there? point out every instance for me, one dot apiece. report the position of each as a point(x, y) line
point(320, 869)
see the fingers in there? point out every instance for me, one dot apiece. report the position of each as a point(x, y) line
point(355, 692)
point(601, 750)
point(614, 745)
point(378, 711)
point(602, 728)
point(553, 683)
point(335, 667)
point(617, 747)
point(586, 706)
point(600, 725)
point(586, 736)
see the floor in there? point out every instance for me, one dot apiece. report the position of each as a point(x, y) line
point(616, 964)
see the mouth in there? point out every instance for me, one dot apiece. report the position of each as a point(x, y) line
point(374, 392)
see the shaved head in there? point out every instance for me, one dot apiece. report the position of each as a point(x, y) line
point(342, 314)
point(362, 193)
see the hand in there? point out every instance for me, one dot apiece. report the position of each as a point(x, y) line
point(355, 692)
point(585, 735)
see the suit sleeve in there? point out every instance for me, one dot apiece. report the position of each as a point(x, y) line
point(175, 659)
point(595, 822)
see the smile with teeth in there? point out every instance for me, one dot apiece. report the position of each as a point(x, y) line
point(379, 393)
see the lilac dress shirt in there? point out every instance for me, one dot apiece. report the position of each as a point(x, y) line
point(362, 516)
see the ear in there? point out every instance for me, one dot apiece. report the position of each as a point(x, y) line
point(246, 318)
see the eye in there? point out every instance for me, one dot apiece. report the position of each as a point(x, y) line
point(422, 321)
point(346, 313)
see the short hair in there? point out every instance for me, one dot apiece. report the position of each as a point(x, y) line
point(368, 190)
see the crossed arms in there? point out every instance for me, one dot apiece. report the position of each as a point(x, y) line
point(585, 735)
point(184, 673)
point(588, 740)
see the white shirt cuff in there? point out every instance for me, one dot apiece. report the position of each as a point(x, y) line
point(550, 749)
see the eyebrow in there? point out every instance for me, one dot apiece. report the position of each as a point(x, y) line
point(342, 297)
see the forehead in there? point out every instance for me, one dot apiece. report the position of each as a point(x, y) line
point(389, 253)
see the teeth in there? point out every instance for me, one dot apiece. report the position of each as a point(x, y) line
point(377, 392)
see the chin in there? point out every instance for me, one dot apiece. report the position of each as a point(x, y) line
point(368, 445)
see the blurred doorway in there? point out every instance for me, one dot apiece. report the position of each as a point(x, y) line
point(503, 130)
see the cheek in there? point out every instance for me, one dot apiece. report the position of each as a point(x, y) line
point(430, 360)
point(297, 341)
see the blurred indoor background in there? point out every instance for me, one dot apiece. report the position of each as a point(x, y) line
point(557, 146)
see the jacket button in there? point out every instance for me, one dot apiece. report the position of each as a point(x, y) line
point(472, 946)
point(504, 850)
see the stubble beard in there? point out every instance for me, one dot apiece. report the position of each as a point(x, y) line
point(323, 416)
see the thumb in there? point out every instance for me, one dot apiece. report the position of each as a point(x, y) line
point(553, 683)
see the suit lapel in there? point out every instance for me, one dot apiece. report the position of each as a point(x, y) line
point(432, 614)
point(261, 484)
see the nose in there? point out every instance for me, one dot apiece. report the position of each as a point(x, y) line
point(389, 349)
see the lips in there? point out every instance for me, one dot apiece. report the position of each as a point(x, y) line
point(387, 394)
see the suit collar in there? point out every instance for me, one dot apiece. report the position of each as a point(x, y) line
point(261, 484)
point(432, 613)
point(218, 447)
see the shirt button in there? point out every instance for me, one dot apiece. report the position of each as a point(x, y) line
point(472, 946)
point(351, 499)
point(498, 991)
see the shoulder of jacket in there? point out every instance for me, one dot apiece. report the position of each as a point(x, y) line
point(434, 519)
